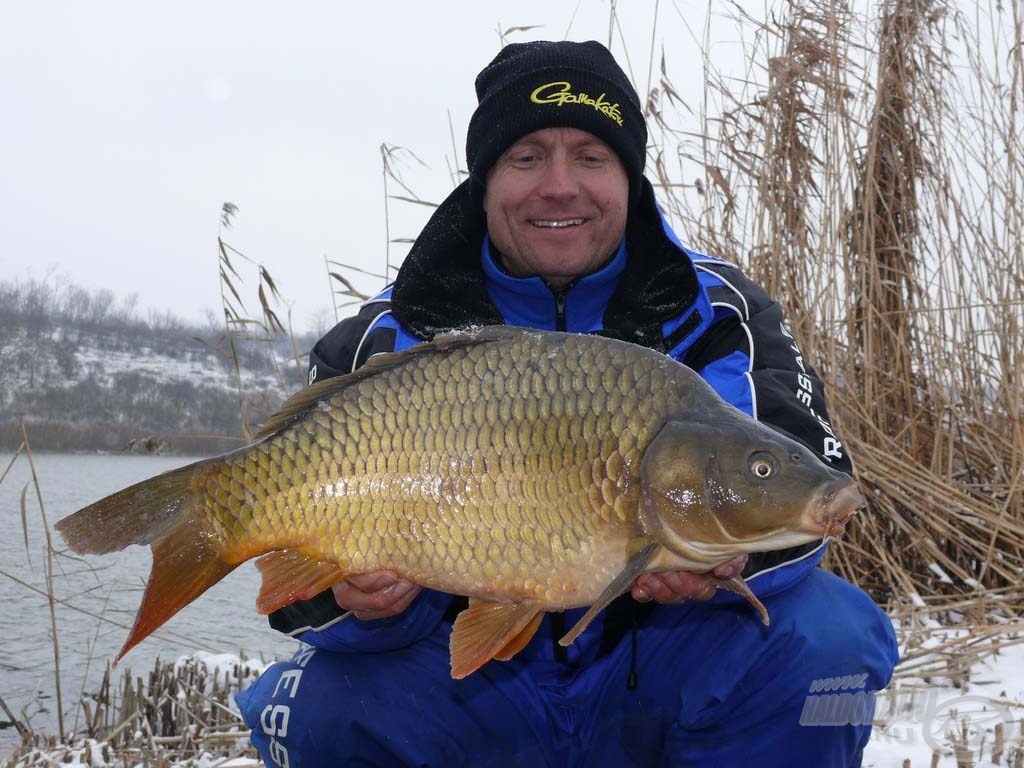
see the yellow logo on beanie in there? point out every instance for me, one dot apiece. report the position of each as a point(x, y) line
point(559, 93)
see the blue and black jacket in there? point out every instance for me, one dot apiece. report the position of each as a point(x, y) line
point(654, 291)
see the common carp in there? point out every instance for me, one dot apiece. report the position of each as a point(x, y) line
point(532, 471)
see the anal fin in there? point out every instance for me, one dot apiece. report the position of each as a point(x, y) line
point(520, 641)
point(290, 575)
point(489, 630)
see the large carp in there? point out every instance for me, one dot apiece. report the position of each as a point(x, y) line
point(532, 471)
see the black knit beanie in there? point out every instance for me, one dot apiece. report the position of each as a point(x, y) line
point(530, 86)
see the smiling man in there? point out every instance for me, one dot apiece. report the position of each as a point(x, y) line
point(556, 204)
point(556, 228)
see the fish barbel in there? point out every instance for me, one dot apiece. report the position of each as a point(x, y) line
point(532, 471)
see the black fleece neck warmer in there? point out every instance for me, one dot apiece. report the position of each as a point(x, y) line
point(440, 286)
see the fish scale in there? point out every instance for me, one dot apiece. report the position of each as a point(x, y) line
point(554, 499)
point(530, 470)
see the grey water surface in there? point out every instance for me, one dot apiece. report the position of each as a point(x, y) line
point(102, 595)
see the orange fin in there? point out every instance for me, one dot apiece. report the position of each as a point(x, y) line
point(139, 514)
point(290, 575)
point(187, 559)
point(739, 586)
point(520, 641)
point(644, 554)
point(184, 566)
point(486, 629)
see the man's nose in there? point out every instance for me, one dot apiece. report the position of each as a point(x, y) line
point(559, 180)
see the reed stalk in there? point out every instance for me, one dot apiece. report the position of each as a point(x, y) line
point(50, 595)
point(868, 171)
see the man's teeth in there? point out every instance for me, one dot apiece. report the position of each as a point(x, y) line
point(557, 224)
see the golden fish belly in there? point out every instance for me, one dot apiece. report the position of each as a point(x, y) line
point(516, 537)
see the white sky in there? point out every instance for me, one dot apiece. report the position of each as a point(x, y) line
point(124, 126)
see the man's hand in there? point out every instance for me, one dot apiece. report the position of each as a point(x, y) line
point(381, 594)
point(679, 586)
point(375, 595)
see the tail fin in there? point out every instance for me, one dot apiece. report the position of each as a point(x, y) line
point(160, 512)
point(139, 514)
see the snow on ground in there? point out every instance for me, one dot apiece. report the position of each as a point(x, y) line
point(90, 755)
point(925, 713)
point(102, 364)
point(223, 668)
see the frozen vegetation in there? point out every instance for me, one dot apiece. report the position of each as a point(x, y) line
point(86, 373)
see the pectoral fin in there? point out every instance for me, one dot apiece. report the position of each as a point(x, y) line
point(488, 630)
point(620, 584)
point(739, 586)
point(290, 575)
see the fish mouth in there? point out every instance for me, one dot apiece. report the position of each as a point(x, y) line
point(829, 516)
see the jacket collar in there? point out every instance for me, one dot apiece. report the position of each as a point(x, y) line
point(531, 302)
point(441, 284)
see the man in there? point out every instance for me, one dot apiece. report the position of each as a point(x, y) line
point(557, 228)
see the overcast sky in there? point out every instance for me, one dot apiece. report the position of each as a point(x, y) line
point(126, 125)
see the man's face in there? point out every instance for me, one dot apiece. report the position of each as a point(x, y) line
point(556, 204)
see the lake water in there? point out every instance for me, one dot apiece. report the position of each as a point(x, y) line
point(103, 594)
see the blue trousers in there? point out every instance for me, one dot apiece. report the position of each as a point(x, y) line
point(714, 688)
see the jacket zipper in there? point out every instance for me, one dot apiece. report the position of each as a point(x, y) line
point(558, 619)
point(560, 308)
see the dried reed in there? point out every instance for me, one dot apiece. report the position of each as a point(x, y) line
point(869, 174)
point(177, 713)
point(242, 328)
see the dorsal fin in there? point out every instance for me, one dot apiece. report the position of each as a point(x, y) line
point(306, 398)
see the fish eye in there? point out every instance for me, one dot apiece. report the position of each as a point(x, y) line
point(762, 466)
